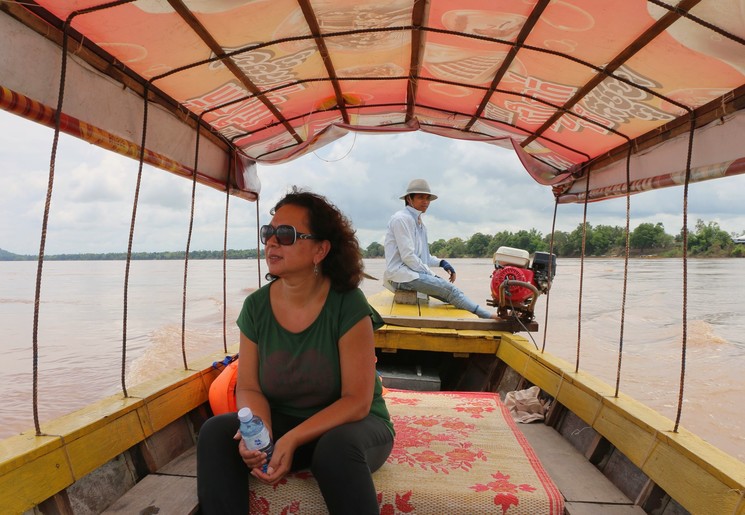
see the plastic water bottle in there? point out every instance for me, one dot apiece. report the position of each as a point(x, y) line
point(255, 434)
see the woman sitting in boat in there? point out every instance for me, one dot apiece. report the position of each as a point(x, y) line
point(307, 368)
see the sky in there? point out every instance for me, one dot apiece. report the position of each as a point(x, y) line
point(481, 188)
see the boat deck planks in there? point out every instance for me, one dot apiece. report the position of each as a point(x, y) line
point(585, 489)
point(436, 326)
point(674, 460)
point(434, 314)
point(159, 493)
point(578, 508)
point(183, 465)
point(173, 489)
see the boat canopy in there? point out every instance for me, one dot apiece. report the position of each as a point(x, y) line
point(577, 88)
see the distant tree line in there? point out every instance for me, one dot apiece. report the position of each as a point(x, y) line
point(705, 240)
point(120, 256)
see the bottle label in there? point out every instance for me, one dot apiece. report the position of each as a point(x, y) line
point(260, 440)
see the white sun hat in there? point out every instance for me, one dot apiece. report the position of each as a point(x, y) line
point(419, 186)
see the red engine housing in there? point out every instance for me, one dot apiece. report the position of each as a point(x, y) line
point(517, 293)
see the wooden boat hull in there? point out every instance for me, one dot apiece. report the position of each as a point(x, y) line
point(158, 422)
point(501, 361)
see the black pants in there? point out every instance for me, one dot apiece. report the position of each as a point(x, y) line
point(342, 461)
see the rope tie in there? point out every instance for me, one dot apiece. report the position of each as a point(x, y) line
point(684, 342)
point(561, 383)
point(582, 271)
point(579, 431)
point(258, 247)
point(188, 244)
point(725, 99)
point(741, 502)
point(225, 262)
point(45, 223)
point(132, 223)
point(651, 447)
point(550, 272)
point(80, 47)
point(625, 270)
point(598, 410)
point(66, 449)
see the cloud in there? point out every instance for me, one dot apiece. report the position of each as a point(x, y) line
point(481, 188)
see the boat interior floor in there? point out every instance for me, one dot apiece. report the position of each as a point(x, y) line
point(584, 488)
point(586, 491)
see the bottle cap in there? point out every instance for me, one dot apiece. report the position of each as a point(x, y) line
point(245, 414)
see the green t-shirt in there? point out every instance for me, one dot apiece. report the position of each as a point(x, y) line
point(299, 373)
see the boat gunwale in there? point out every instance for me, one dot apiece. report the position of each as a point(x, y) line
point(79, 442)
point(667, 457)
point(173, 393)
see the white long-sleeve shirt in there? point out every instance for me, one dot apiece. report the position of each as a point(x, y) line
point(406, 247)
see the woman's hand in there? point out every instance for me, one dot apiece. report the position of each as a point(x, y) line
point(253, 459)
point(279, 465)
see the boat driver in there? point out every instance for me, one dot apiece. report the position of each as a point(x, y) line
point(407, 257)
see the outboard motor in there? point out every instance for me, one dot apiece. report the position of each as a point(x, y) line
point(517, 281)
point(544, 270)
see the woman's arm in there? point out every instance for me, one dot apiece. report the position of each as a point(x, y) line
point(247, 389)
point(357, 361)
point(248, 393)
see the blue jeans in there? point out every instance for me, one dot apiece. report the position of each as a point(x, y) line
point(443, 290)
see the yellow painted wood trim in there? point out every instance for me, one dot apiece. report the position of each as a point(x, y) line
point(702, 478)
point(89, 452)
point(90, 418)
point(404, 310)
point(384, 304)
point(34, 468)
point(686, 481)
point(24, 487)
point(434, 342)
point(164, 409)
point(17, 451)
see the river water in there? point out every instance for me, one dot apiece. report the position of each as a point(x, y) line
point(80, 330)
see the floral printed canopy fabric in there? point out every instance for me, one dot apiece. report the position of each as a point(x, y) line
point(563, 82)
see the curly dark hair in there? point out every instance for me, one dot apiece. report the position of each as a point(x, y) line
point(343, 264)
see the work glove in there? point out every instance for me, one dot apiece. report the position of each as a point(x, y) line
point(447, 266)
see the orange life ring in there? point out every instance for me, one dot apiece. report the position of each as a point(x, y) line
point(222, 390)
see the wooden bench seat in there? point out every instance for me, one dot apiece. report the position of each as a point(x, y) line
point(455, 452)
point(409, 297)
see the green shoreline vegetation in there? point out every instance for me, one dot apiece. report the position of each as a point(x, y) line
point(647, 239)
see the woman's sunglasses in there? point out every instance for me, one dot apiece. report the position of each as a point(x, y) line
point(285, 234)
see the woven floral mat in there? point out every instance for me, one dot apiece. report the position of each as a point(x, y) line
point(455, 452)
